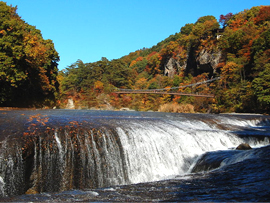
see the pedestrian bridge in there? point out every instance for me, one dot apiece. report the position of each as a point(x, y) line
point(172, 90)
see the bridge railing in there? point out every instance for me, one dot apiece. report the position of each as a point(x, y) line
point(166, 89)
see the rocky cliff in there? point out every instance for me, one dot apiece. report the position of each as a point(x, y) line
point(196, 62)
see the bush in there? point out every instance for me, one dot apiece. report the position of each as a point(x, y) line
point(176, 108)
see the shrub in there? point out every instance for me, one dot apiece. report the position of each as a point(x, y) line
point(176, 108)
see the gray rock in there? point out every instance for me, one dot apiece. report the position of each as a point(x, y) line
point(171, 67)
point(209, 57)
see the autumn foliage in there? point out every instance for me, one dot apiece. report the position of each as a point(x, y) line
point(28, 63)
point(29, 75)
point(242, 40)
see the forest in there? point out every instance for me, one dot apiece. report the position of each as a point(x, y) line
point(235, 47)
point(28, 63)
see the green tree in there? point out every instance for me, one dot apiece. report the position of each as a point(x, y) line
point(261, 85)
point(204, 19)
point(28, 63)
point(186, 30)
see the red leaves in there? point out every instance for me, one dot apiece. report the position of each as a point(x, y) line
point(263, 15)
point(223, 20)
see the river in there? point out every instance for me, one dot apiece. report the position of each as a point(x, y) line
point(83, 155)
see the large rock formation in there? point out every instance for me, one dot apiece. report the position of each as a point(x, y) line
point(207, 60)
point(171, 67)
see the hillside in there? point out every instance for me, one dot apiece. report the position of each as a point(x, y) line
point(236, 48)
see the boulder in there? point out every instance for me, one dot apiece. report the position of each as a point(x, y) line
point(70, 104)
point(243, 146)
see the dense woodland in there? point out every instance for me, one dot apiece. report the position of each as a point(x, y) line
point(28, 63)
point(235, 48)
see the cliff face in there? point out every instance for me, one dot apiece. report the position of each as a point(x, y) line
point(196, 62)
point(171, 67)
point(207, 61)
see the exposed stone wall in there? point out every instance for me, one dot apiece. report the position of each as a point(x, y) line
point(171, 67)
point(205, 61)
point(210, 58)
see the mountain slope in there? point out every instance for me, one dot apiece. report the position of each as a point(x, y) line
point(238, 52)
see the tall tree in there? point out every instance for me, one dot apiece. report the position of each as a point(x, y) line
point(28, 63)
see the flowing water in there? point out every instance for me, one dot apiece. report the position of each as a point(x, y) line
point(48, 151)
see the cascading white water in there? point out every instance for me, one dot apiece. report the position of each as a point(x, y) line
point(59, 145)
point(115, 149)
point(156, 150)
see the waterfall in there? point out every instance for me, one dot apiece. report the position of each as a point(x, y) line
point(102, 152)
point(157, 150)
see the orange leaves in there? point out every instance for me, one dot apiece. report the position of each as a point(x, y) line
point(35, 121)
point(140, 58)
point(39, 119)
point(132, 63)
point(229, 68)
point(3, 32)
point(231, 73)
point(246, 51)
point(264, 14)
point(236, 24)
point(74, 124)
point(151, 54)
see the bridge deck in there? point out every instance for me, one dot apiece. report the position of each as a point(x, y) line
point(156, 92)
point(167, 90)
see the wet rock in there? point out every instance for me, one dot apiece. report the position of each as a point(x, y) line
point(212, 160)
point(243, 146)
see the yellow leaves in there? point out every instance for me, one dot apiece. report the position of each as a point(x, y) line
point(132, 63)
point(170, 48)
point(35, 49)
point(229, 69)
point(99, 86)
point(141, 83)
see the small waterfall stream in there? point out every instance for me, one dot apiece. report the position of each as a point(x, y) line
point(101, 151)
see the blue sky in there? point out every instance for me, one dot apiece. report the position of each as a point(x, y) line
point(91, 29)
